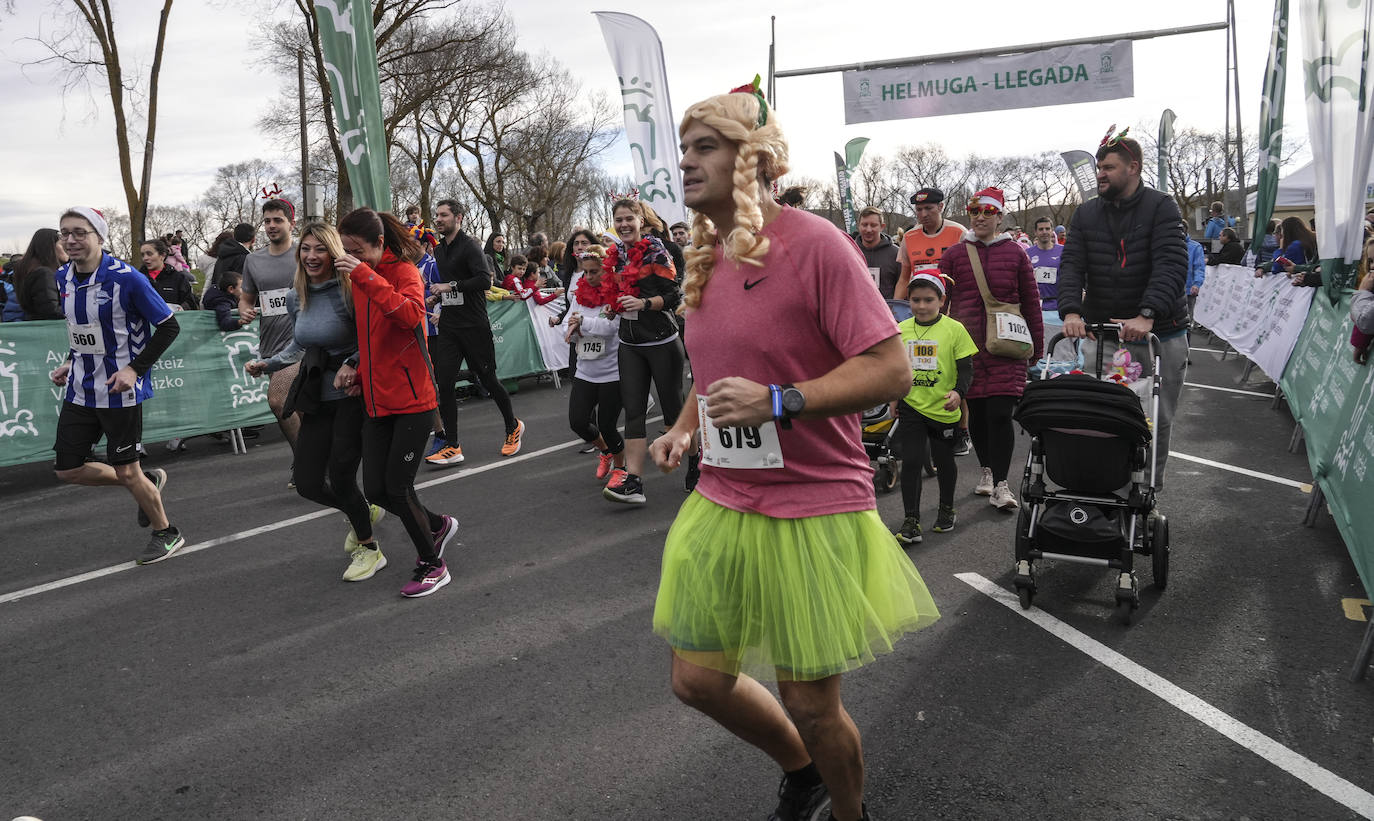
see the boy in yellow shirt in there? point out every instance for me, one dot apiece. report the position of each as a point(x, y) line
point(940, 351)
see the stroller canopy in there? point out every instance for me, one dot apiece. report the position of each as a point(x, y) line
point(1079, 401)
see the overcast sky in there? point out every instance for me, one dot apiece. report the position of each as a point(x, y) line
point(57, 152)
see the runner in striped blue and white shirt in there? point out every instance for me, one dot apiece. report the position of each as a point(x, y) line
point(118, 327)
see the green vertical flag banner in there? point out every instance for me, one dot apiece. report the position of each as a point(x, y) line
point(1338, 38)
point(1271, 124)
point(1166, 145)
point(350, 60)
point(854, 152)
point(851, 218)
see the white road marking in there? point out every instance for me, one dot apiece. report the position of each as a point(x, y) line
point(1228, 390)
point(267, 528)
point(1268, 477)
point(1300, 767)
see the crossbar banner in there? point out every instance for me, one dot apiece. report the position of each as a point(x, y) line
point(1027, 79)
point(1261, 318)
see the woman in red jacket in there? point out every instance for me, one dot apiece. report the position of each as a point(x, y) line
point(398, 393)
point(998, 381)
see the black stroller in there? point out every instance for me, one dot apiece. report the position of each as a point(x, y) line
point(1088, 491)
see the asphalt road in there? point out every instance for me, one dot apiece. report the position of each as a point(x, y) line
point(243, 679)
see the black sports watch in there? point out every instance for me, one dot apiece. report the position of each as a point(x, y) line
point(793, 402)
point(1148, 313)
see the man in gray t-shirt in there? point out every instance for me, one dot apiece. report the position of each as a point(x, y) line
point(269, 274)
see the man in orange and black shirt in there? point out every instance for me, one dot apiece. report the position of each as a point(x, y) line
point(927, 240)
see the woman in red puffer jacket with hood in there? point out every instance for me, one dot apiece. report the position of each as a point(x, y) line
point(998, 381)
point(396, 381)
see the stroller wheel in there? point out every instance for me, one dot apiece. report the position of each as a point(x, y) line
point(1025, 583)
point(887, 477)
point(1123, 611)
point(1025, 594)
point(1159, 539)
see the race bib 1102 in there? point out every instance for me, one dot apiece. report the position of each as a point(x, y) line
point(1013, 328)
point(741, 448)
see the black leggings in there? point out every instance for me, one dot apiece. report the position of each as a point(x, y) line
point(601, 399)
point(640, 363)
point(916, 433)
point(989, 426)
point(393, 447)
point(329, 446)
point(474, 345)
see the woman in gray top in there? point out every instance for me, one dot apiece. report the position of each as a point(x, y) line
point(325, 342)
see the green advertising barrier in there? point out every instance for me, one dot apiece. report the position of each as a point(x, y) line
point(198, 386)
point(1331, 397)
point(517, 347)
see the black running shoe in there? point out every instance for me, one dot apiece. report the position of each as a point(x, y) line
point(630, 491)
point(964, 445)
point(161, 545)
point(944, 520)
point(864, 817)
point(158, 477)
point(801, 803)
point(910, 531)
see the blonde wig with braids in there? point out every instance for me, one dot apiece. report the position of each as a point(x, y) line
point(761, 159)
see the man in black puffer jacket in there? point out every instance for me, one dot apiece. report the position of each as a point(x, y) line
point(1127, 250)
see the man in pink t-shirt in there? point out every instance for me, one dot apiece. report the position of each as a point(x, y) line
point(778, 565)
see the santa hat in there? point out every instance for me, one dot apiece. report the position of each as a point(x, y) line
point(95, 218)
point(933, 280)
point(991, 196)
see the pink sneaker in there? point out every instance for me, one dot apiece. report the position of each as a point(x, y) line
point(427, 579)
point(603, 467)
point(618, 476)
point(444, 535)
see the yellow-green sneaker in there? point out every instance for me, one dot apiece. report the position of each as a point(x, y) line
point(374, 515)
point(365, 563)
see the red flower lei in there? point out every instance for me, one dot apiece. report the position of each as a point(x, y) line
point(589, 295)
point(621, 277)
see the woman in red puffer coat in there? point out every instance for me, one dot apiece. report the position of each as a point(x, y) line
point(998, 381)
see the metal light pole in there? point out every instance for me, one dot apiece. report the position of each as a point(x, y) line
point(305, 136)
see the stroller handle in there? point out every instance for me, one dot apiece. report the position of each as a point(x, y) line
point(1151, 341)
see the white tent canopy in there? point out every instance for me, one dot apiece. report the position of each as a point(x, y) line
point(1296, 190)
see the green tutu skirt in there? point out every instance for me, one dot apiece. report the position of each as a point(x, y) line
point(786, 599)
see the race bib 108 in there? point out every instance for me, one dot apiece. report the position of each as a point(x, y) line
point(923, 354)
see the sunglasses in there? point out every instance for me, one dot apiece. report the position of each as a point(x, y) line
point(984, 210)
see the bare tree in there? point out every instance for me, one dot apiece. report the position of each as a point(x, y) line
point(87, 44)
point(235, 194)
point(403, 43)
